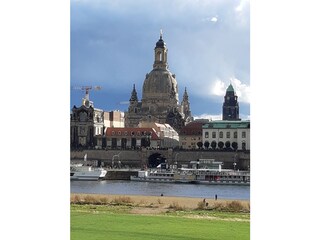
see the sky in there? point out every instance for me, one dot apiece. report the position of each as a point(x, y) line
point(112, 45)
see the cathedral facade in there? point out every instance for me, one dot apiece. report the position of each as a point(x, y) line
point(160, 98)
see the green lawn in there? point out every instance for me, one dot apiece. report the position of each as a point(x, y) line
point(95, 223)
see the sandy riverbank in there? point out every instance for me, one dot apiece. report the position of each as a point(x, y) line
point(162, 201)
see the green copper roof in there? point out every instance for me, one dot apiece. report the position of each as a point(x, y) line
point(220, 124)
point(230, 88)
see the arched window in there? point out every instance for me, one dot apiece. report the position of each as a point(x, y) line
point(159, 56)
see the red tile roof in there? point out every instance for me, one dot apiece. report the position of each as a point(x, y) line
point(131, 132)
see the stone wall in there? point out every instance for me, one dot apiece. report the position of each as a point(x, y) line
point(136, 159)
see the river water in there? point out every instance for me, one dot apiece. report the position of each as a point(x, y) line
point(156, 189)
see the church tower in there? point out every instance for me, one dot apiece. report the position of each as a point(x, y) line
point(185, 107)
point(160, 55)
point(230, 109)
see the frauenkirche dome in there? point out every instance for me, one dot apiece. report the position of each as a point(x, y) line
point(160, 99)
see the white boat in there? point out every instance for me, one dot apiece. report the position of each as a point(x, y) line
point(81, 172)
point(216, 177)
point(153, 175)
point(212, 174)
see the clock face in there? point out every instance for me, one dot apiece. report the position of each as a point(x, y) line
point(87, 103)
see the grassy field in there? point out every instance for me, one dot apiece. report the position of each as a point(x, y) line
point(123, 218)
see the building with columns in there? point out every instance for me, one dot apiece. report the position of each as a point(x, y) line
point(229, 135)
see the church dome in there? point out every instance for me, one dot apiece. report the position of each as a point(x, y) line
point(160, 43)
point(160, 84)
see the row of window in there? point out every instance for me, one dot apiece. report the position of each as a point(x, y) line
point(132, 133)
point(228, 134)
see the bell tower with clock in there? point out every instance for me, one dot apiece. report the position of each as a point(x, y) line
point(230, 109)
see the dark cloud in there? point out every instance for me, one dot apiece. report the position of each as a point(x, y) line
point(112, 45)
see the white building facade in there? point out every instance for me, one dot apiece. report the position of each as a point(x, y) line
point(229, 135)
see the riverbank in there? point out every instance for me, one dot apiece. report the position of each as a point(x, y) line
point(159, 204)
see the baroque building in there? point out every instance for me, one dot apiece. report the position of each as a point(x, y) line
point(230, 108)
point(160, 99)
point(88, 124)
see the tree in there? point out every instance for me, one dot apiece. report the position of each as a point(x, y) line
point(227, 144)
point(199, 144)
point(206, 144)
point(234, 145)
point(214, 145)
point(220, 144)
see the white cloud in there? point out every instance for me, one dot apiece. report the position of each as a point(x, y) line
point(242, 90)
point(242, 13)
point(242, 5)
point(208, 116)
point(219, 88)
point(214, 19)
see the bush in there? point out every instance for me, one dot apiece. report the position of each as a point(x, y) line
point(235, 206)
point(201, 205)
point(122, 200)
point(176, 206)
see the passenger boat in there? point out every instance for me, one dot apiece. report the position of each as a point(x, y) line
point(212, 176)
point(88, 172)
point(211, 173)
point(154, 175)
point(80, 172)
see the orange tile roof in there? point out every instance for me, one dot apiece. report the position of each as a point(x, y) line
point(130, 132)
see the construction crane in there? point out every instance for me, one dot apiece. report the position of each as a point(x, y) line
point(86, 101)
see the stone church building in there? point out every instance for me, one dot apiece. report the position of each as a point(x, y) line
point(160, 99)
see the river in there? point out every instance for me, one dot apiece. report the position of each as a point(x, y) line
point(156, 189)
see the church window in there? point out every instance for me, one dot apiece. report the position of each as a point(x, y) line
point(159, 56)
point(206, 134)
point(214, 135)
